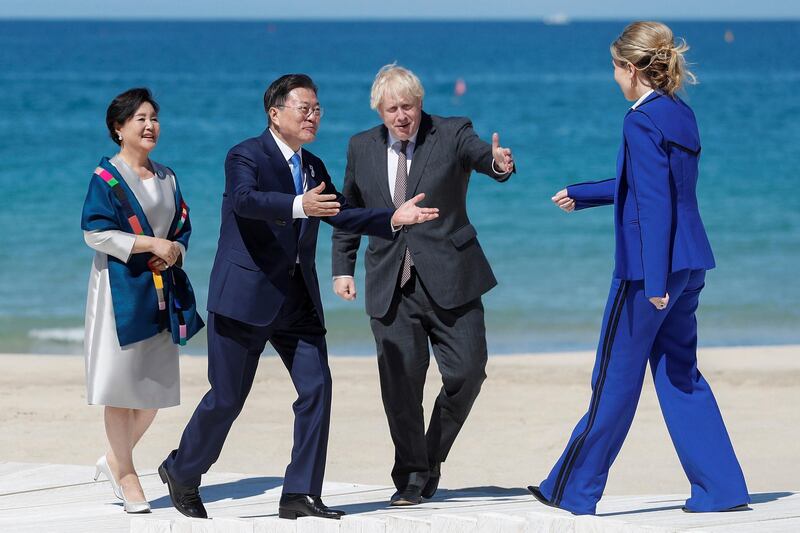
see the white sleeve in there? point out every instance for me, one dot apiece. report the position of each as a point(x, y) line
point(183, 252)
point(297, 207)
point(112, 242)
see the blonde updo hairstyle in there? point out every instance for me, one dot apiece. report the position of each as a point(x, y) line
point(651, 49)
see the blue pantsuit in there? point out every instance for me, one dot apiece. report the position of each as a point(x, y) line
point(661, 249)
point(630, 324)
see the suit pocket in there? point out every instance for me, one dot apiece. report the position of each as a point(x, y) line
point(463, 235)
point(242, 259)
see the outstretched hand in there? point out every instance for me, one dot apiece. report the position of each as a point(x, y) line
point(563, 201)
point(410, 213)
point(503, 160)
point(316, 204)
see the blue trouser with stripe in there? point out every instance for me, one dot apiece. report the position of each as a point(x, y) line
point(635, 332)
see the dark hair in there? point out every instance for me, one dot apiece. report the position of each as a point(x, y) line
point(124, 106)
point(278, 90)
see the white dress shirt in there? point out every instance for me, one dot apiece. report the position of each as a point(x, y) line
point(642, 99)
point(287, 152)
point(393, 154)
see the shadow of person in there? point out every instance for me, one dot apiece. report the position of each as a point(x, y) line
point(234, 490)
point(486, 491)
point(766, 497)
point(641, 511)
point(756, 498)
point(464, 496)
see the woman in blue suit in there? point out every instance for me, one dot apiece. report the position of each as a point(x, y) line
point(662, 254)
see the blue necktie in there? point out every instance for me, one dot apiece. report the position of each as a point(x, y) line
point(297, 173)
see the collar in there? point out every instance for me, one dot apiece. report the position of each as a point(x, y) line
point(642, 98)
point(392, 139)
point(286, 151)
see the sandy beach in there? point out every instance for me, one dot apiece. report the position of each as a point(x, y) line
point(517, 428)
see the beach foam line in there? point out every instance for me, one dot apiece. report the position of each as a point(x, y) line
point(68, 335)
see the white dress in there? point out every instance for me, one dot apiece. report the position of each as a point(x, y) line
point(145, 374)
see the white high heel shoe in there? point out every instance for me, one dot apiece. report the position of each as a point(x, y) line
point(101, 467)
point(135, 507)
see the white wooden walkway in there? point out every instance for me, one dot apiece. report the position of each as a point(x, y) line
point(62, 498)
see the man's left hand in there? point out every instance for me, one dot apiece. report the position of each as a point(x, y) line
point(503, 160)
point(409, 213)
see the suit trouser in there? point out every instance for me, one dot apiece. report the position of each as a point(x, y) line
point(635, 332)
point(234, 349)
point(458, 338)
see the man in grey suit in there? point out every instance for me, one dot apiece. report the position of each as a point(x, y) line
point(426, 284)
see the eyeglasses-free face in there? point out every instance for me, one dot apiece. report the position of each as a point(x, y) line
point(141, 131)
point(401, 115)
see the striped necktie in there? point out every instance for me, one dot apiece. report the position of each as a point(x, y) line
point(400, 187)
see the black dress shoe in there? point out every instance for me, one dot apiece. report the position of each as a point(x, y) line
point(185, 499)
point(539, 496)
point(293, 506)
point(742, 507)
point(321, 505)
point(411, 495)
point(433, 482)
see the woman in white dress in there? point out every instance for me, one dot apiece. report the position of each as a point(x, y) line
point(135, 220)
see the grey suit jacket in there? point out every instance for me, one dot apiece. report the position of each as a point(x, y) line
point(448, 258)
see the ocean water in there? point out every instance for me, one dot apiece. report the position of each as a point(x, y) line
point(548, 91)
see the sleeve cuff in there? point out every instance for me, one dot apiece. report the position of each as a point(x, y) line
point(494, 169)
point(342, 276)
point(297, 207)
point(183, 251)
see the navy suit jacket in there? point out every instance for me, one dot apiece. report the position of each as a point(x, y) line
point(260, 242)
point(656, 218)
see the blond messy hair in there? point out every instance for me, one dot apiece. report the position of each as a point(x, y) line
point(397, 81)
point(650, 47)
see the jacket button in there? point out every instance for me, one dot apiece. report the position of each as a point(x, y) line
point(405, 229)
point(280, 222)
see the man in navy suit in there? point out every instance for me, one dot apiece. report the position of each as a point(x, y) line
point(264, 288)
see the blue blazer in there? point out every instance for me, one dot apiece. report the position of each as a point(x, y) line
point(656, 218)
point(260, 242)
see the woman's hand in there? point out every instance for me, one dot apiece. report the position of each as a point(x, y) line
point(660, 303)
point(156, 263)
point(563, 201)
point(168, 251)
